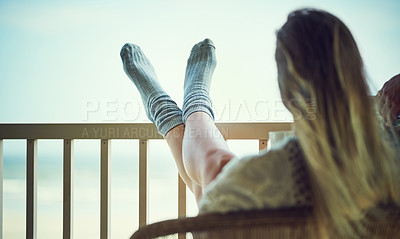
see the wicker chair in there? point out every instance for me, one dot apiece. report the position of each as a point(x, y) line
point(283, 223)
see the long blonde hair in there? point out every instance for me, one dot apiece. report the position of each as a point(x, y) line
point(352, 166)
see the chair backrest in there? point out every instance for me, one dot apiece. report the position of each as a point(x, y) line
point(282, 223)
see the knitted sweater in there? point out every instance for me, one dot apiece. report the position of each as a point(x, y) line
point(275, 179)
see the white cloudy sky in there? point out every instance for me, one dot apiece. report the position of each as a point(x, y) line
point(59, 60)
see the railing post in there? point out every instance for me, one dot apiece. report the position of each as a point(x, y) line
point(68, 162)
point(105, 178)
point(181, 202)
point(31, 189)
point(142, 182)
point(1, 188)
point(181, 197)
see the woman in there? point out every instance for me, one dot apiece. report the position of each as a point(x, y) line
point(339, 163)
point(351, 168)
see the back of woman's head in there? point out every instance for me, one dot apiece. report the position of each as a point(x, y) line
point(322, 83)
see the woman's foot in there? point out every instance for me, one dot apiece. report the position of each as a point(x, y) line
point(159, 106)
point(200, 68)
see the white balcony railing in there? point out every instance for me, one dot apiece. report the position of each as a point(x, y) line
point(105, 132)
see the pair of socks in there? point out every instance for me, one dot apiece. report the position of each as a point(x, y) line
point(159, 106)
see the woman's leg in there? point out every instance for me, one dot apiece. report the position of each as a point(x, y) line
point(160, 108)
point(204, 155)
point(204, 149)
point(174, 138)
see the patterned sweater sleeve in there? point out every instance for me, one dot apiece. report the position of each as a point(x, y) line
point(275, 179)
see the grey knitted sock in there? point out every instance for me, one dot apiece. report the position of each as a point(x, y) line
point(159, 106)
point(200, 68)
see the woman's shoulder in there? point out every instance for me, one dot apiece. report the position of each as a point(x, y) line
point(274, 179)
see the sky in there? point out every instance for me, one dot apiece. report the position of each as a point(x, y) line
point(59, 60)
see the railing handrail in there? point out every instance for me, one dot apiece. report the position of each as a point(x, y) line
point(68, 132)
point(244, 130)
